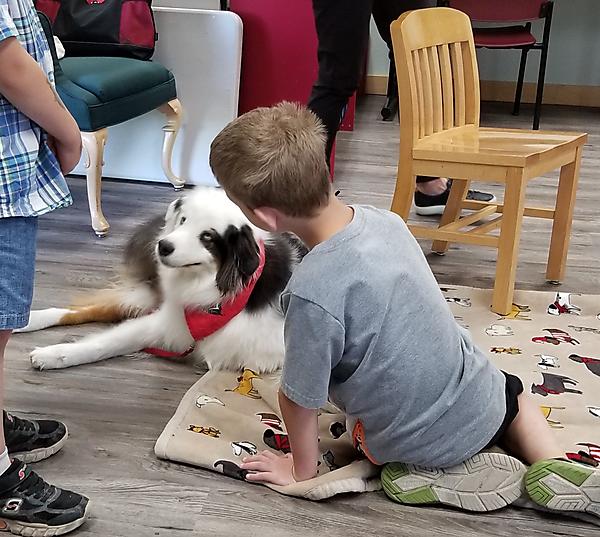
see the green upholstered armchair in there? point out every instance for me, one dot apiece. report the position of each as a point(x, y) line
point(104, 91)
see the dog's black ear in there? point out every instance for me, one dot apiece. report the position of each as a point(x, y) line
point(240, 259)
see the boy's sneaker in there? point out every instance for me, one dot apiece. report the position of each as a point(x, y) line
point(563, 485)
point(31, 507)
point(485, 482)
point(33, 440)
point(434, 205)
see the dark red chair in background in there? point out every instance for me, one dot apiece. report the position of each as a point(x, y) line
point(513, 36)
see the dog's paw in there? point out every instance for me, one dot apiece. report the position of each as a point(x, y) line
point(52, 357)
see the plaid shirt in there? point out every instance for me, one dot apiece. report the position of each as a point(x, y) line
point(31, 182)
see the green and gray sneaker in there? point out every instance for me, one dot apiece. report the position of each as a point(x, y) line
point(33, 508)
point(563, 485)
point(485, 482)
point(33, 440)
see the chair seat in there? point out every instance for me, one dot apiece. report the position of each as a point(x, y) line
point(105, 91)
point(505, 37)
point(495, 147)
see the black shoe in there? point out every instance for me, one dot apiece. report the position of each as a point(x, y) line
point(434, 205)
point(390, 109)
point(31, 507)
point(33, 440)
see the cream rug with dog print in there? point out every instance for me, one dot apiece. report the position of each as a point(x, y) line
point(551, 341)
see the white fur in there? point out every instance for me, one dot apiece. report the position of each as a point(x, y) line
point(40, 319)
point(248, 340)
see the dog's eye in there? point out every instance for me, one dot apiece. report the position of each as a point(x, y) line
point(205, 236)
point(182, 220)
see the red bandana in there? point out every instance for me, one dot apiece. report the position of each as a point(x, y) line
point(203, 323)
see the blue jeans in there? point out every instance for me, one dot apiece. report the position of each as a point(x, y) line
point(17, 270)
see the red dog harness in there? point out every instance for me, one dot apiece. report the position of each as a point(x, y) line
point(203, 323)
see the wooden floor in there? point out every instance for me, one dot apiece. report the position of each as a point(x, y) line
point(115, 410)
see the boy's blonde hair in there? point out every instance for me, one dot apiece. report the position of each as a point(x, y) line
point(274, 157)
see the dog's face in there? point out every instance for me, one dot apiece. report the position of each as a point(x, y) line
point(207, 233)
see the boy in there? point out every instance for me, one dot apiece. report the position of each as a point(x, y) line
point(367, 326)
point(39, 142)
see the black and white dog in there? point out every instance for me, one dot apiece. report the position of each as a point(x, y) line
point(201, 280)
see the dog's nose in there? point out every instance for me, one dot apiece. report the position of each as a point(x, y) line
point(165, 248)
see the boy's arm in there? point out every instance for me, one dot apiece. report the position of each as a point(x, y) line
point(314, 345)
point(25, 85)
point(301, 425)
point(303, 434)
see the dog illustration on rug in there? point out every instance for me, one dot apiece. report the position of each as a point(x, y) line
point(554, 385)
point(231, 469)
point(546, 361)
point(547, 410)
point(204, 400)
point(271, 420)
point(499, 330)
point(589, 456)
point(562, 304)
point(506, 350)
point(556, 337)
point(245, 386)
point(593, 364)
point(594, 411)
point(518, 312)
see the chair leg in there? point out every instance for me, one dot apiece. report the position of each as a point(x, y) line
point(404, 191)
point(93, 145)
point(542, 72)
point(519, 90)
point(174, 112)
point(458, 192)
point(508, 246)
point(563, 218)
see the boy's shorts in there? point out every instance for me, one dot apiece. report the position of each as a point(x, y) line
point(17, 270)
point(513, 388)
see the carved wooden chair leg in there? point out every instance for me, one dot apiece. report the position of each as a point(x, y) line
point(174, 113)
point(93, 145)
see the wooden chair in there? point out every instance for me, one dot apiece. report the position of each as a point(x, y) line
point(440, 136)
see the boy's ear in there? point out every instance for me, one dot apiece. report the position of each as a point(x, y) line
point(268, 216)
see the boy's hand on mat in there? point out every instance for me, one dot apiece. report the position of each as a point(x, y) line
point(267, 467)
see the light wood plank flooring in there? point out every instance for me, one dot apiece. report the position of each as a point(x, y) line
point(115, 410)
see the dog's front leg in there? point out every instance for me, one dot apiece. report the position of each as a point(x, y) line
point(130, 336)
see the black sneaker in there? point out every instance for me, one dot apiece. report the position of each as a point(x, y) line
point(435, 205)
point(33, 440)
point(31, 507)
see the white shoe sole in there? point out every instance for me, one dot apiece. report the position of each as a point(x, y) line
point(41, 530)
point(437, 210)
point(485, 482)
point(40, 454)
point(564, 486)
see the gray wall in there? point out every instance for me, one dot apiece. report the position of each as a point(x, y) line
point(574, 56)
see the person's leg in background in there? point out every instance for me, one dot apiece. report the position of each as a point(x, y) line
point(343, 33)
point(432, 192)
point(28, 505)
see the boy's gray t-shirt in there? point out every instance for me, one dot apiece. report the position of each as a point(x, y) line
point(367, 326)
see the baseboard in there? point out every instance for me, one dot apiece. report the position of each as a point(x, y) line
point(588, 96)
point(376, 84)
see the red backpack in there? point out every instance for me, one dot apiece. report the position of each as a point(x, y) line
point(103, 27)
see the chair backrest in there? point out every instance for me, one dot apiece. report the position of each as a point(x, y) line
point(47, 27)
point(436, 66)
point(499, 10)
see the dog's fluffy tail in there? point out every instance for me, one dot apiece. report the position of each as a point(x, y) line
point(106, 306)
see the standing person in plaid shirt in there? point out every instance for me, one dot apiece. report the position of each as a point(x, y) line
point(39, 142)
